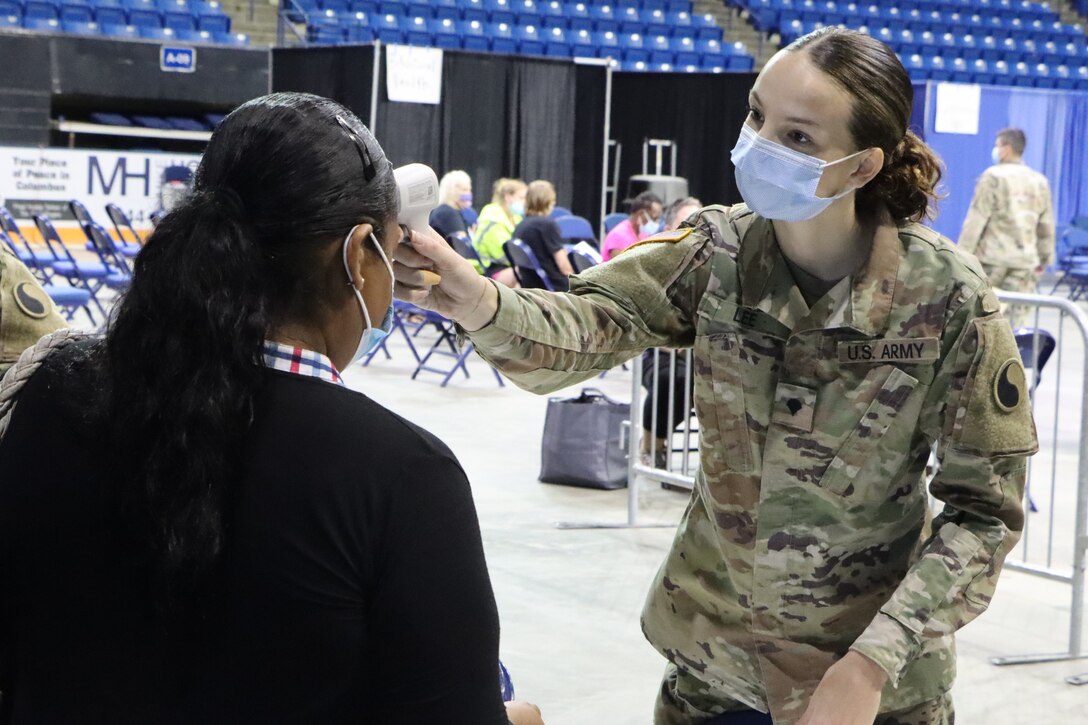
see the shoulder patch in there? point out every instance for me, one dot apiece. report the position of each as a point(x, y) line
point(994, 416)
point(31, 299)
point(672, 237)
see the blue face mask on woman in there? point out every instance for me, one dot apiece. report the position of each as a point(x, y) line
point(649, 227)
point(372, 336)
point(779, 183)
point(517, 208)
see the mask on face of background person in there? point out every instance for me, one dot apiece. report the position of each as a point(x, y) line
point(517, 208)
point(649, 227)
point(372, 336)
point(466, 199)
point(995, 154)
point(779, 183)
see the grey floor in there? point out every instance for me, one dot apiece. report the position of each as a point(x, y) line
point(569, 600)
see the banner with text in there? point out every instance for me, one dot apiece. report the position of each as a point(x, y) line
point(43, 181)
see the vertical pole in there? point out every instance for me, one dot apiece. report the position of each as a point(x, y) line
point(1080, 529)
point(604, 159)
point(632, 442)
point(374, 87)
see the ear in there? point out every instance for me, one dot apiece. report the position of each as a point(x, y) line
point(870, 166)
point(356, 257)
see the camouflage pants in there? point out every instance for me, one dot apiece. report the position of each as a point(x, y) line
point(685, 700)
point(1012, 279)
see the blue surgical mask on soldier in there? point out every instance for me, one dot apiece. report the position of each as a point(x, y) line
point(372, 336)
point(779, 183)
point(649, 227)
point(517, 208)
point(995, 154)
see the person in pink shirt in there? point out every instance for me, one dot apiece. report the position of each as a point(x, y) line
point(645, 221)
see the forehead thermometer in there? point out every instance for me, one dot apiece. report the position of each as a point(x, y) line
point(417, 186)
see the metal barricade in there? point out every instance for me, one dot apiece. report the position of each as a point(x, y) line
point(1054, 544)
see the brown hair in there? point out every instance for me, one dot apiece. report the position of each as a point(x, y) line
point(883, 98)
point(540, 198)
point(502, 187)
point(1013, 137)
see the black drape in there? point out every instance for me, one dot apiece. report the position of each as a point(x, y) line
point(343, 74)
point(532, 118)
point(702, 113)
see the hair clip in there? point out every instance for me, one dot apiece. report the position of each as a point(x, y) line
point(369, 171)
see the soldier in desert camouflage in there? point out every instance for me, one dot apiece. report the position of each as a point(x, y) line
point(1010, 224)
point(835, 341)
point(26, 312)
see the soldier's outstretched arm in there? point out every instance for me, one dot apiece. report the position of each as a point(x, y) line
point(980, 412)
point(543, 341)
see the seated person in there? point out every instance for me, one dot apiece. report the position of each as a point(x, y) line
point(455, 194)
point(231, 534)
point(644, 220)
point(495, 227)
point(542, 234)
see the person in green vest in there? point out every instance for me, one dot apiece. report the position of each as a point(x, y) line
point(495, 228)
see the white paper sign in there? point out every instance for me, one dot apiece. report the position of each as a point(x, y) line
point(42, 181)
point(958, 108)
point(413, 75)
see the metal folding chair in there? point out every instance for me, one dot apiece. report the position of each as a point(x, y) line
point(527, 269)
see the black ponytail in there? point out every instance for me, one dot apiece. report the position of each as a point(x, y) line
point(280, 181)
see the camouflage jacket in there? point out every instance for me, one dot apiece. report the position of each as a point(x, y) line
point(26, 312)
point(805, 535)
point(1011, 221)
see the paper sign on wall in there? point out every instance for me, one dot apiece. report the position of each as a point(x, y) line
point(957, 108)
point(413, 75)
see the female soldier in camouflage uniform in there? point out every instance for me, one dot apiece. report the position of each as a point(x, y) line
point(835, 341)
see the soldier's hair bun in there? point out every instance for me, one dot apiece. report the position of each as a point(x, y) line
point(907, 185)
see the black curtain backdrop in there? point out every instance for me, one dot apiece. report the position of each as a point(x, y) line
point(499, 116)
point(342, 73)
point(702, 113)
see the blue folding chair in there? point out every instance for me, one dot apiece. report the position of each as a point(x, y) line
point(401, 310)
point(121, 223)
point(527, 269)
point(39, 262)
point(582, 256)
point(463, 246)
point(612, 220)
point(445, 346)
point(68, 299)
point(576, 229)
point(91, 276)
point(109, 253)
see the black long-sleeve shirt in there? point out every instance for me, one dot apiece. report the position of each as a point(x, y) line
point(354, 583)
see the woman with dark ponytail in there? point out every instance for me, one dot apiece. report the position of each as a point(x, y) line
point(836, 340)
point(198, 521)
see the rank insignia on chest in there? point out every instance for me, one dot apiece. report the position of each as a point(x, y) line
point(909, 350)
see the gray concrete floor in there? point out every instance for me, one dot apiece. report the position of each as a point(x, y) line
point(569, 600)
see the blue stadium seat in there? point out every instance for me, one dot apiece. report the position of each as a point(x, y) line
point(530, 40)
point(552, 8)
point(474, 10)
point(370, 7)
point(916, 69)
point(48, 25)
point(75, 11)
point(604, 18)
point(387, 27)
point(555, 43)
point(737, 63)
point(239, 40)
point(608, 44)
point(195, 36)
point(417, 32)
point(961, 73)
point(446, 9)
point(980, 72)
point(500, 11)
point(446, 33)
point(637, 66)
point(660, 50)
point(526, 8)
point(630, 20)
point(474, 35)
point(77, 27)
point(1063, 78)
point(634, 48)
point(324, 28)
point(582, 45)
point(655, 22)
point(387, 7)
point(39, 10)
point(1021, 74)
point(11, 21)
point(684, 51)
point(144, 18)
point(1000, 71)
point(120, 31)
point(179, 21)
point(1043, 77)
point(706, 28)
point(151, 32)
point(359, 30)
point(213, 22)
point(110, 15)
point(1081, 75)
point(421, 10)
point(502, 38)
point(549, 21)
point(936, 67)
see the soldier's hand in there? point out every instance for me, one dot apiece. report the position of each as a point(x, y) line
point(520, 712)
point(848, 694)
point(432, 275)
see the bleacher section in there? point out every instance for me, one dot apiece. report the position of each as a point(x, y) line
point(1003, 42)
point(194, 21)
point(658, 35)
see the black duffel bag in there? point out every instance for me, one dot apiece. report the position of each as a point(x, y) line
point(581, 444)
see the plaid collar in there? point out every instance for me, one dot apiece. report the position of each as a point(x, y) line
point(300, 361)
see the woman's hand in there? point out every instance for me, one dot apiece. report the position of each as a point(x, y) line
point(520, 712)
point(432, 275)
point(848, 694)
